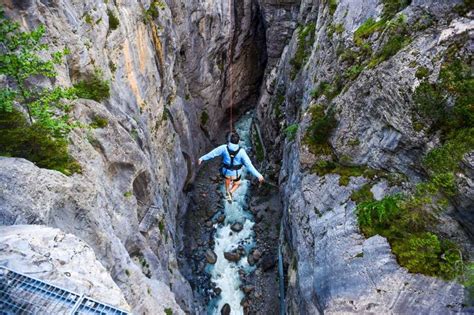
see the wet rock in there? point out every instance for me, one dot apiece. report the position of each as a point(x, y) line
point(259, 216)
point(217, 291)
point(237, 227)
point(225, 310)
point(211, 257)
point(256, 254)
point(247, 289)
point(268, 262)
point(251, 260)
point(221, 218)
point(208, 223)
point(233, 256)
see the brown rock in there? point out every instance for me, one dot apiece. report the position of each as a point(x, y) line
point(211, 257)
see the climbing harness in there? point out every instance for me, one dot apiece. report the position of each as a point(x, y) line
point(231, 166)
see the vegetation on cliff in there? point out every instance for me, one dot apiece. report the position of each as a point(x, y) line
point(41, 138)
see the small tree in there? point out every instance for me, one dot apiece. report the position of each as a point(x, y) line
point(21, 61)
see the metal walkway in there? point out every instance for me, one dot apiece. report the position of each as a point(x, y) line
point(20, 294)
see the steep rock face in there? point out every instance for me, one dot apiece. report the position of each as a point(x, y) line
point(334, 268)
point(167, 64)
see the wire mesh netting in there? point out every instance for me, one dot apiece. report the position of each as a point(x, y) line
point(21, 294)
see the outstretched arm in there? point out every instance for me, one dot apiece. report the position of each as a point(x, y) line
point(214, 153)
point(248, 164)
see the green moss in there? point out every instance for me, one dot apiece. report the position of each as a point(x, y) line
point(367, 28)
point(455, 85)
point(278, 103)
point(128, 194)
point(34, 143)
point(291, 131)
point(353, 72)
point(305, 39)
point(113, 20)
point(318, 133)
point(161, 226)
point(99, 122)
point(127, 272)
point(204, 118)
point(88, 19)
point(154, 9)
point(392, 7)
point(330, 90)
point(332, 6)
point(406, 224)
point(394, 44)
point(422, 72)
point(335, 28)
point(168, 311)
point(94, 87)
point(322, 168)
point(363, 194)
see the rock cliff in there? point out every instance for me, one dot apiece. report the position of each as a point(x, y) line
point(332, 267)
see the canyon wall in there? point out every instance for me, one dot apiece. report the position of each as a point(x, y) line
point(332, 267)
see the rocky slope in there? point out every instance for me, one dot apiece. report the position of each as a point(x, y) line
point(332, 267)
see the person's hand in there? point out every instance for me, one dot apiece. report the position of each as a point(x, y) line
point(199, 162)
point(261, 179)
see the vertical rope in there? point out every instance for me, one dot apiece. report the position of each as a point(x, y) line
point(231, 57)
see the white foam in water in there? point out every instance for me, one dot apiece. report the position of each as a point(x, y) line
point(225, 274)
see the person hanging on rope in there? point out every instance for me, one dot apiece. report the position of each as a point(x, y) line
point(234, 158)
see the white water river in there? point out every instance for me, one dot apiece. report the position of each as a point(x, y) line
point(225, 274)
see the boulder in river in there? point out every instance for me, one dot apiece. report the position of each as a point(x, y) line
point(211, 257)
point(237, 227)
point(221, 218)
point(232, 256)
point(247, 289)
point(225, 310)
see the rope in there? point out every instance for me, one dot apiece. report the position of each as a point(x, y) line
point(231, 42)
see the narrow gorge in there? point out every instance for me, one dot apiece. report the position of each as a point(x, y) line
point(358, 113)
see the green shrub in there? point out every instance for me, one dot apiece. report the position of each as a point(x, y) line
point(455, 85)
point(330, 90)
point(204, 118)
point(291, 131)
point(406, 225)
point(128, 194)
point(363, 194)
point(305, 39)
point(332, 6)
point(422, 72)
point(322, 168)
point(94, 87)
point(367, 28)
point(353, 72)
point(88, 19)
point(34, 143)
point(113, 20)
point(392, 7)
point(318, 133)
point(168, 311)
point(99, 122)
point(161, 226)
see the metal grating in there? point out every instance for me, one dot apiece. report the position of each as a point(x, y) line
point(21, 294)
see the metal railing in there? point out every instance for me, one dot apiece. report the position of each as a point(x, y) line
point(21, 294)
